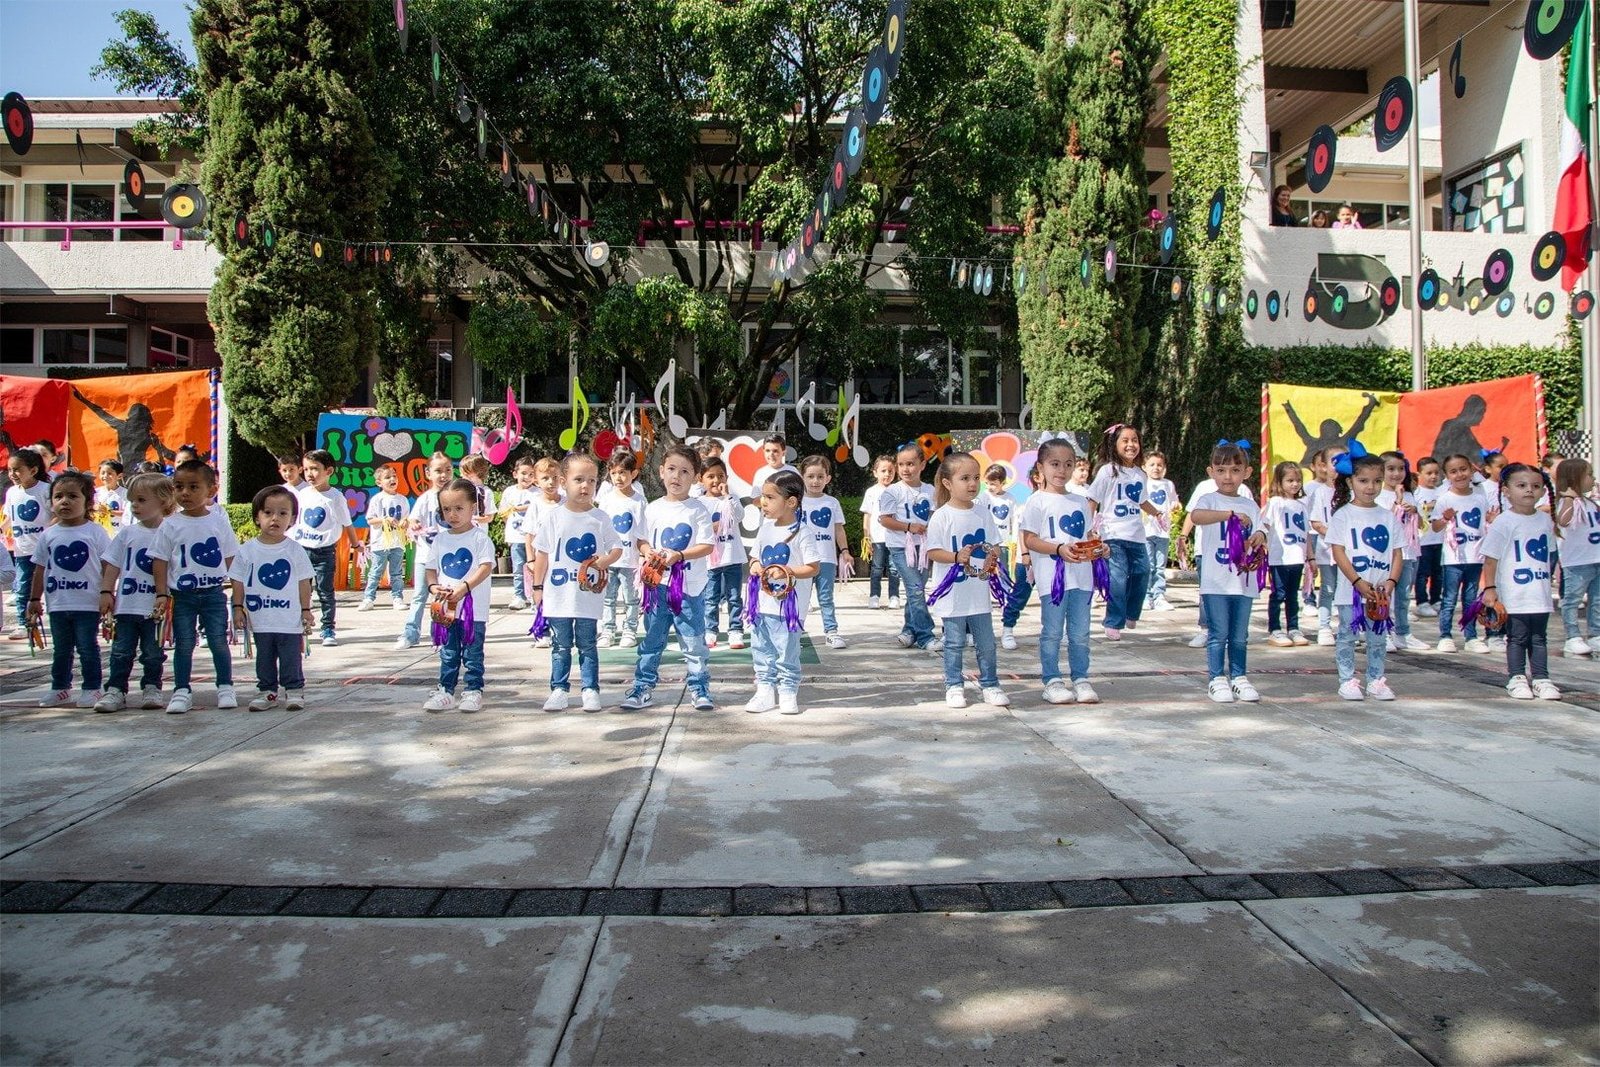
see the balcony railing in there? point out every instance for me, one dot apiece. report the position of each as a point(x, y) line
point(69, 227)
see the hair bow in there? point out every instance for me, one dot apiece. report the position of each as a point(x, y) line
point(1241, 444)
point(1116, 427)
point(1346, 464)
point(1487, 452)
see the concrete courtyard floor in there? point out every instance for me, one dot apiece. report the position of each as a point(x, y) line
point(1153, 879)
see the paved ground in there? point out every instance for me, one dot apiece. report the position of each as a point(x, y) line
point(1155, 879)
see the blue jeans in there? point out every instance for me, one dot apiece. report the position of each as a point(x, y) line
point(208, 608)
point(1344, 653)
point(918, 623)
point(1327, 585)
point(1581, 581)
point(323, 561)
point(1429, 577)
point(956, 629)
point(1021, 590)
point(1400, 603)
point(1460, 579)
point(141, 634)
point(21, 586)
point(519, 561)
point(1156, 548)
point(419, 603)
point(691, 626)
point(1130, 573)
point(1227, 619)
point(563, 634)
point(1284, 599)
point(775, 653)
point(279, 662)
point(879, 567)
point(1072, 617)
point(823, 586)
point(459, 648)
point(74, 631)
point(620, 586)
point(392, 560)
point(725, 585)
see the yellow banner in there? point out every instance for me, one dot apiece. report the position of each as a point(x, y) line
point(1302, 419)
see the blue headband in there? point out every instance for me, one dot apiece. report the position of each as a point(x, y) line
point(1241, 444)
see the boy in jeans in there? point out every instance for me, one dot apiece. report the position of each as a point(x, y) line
point(324, 521)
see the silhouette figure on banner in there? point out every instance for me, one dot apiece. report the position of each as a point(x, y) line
point(1329, 435)
point(1457, 434)
point(136, 434)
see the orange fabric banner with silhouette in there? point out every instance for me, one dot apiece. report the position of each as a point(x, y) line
point(31, 410)
point(139, 417)
point(1504, 415)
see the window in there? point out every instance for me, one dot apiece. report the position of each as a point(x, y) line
point(925, 369)
point(932, 374)
point(110, 345)
point(168, 349)
point(1487, 197)
point(549, 388)
point(443, 367)
point(69, 201)
point(65, 346)
point(16, 345)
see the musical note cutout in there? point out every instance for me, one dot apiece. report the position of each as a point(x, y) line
point(677, 425)
point(777, 422)
point(721, 422)
point(805, 412)
point(849, 434)
point(498, 443)
point(646, 438)
point(1457, 78)
point(838, 426)
point(569, 437)
point(1025, 417)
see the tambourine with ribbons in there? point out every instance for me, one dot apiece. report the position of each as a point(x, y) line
point(108, 628)
point(778, 582)
point(446, 616)
point(36, 640)
point(983, 568)
point(1493, 616)
point(654, 571)
point(1371, 614)
point(1243, 556)
point(592, 577)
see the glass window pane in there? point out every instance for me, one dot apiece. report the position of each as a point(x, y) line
point(153, 192)
point(44, 203)
point(1398, 216)
point(443, 362)
point(552, 387)
point(827, 383)
point(925, 373)
point(983, 380)
point(878, 385)
point(111, 345)
point(93, 203)
point(66, 346)
point(16, 344)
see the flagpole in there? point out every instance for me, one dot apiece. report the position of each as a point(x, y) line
point(1415, 206)
point(1590, 350)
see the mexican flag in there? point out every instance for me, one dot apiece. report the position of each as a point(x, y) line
point(1574, 209)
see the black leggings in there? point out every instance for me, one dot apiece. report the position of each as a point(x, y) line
point(1430, 575)
point(878, 569)
point(1285, 595)
point(1526, 652)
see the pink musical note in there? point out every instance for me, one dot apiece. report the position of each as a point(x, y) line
point(498, 443)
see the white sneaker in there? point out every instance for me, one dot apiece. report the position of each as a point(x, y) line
point(1378, 689)
point(711, 642)
point(1280, 639)
point(788, 703)
point(1518, 689)
point(227, 697)
point(1545, 689)
point(1325, 637)
point(471, 700)
point(1576, 646)
point(113, 700)
point(398, 603)
point(1391, 643)
point(267, 701)
point(1113, 634)
point(1163, 604)
point(1085, 692)
point(402, 643)
point(88, 698)
point(629, 639)
point(329, 640)
point(1427, 611)
point(996, 697)
point(365, 605)
point(1199, 640)
point(440, 701)
point(1298, 639)
point(180, 702)
point(1220, 691)
point(1243, 690)
point(542, 642)
point(764, 699)
point(1409, 643)
point(1008, 640)
point(835, 641)
point(894, 603)
point(297, 700)
point(1058, 692)
point(1351, 690)
point(904, 640)
point(517, 604)
point(736, 639)
point(1446, 644)
point(956, 696)
point(1478, 645)
point(872, 602)
point(150, 697)
point(556, 701)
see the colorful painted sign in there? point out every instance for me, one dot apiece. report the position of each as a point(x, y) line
point(362, 444)
point(1301, 420)
point(1505, 415)
point(140, 417)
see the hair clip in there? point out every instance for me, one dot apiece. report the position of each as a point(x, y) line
point(1116, 427)
point(1241, 444)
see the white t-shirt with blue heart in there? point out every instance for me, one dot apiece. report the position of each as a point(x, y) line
point(952, 529)
point(1287, 530)
point(455, 556)
point(908, 503)
point(1163, 496)
point(1120, 492)
point(725, 514)
point(197, 549)
point(1580, 538)
point(1463, 541)
point(570, 537)
point(28, 513)
point(130, 553)
point(1217, 576)
point(1002, 512)
point(1059, 518)
point(627, 522)
point(70, 556)
point(1521, 545)
point(271, 576)
point(1369, 537)
point(677, 525)
point(792, 546)
point(822, 514)
point(324, 514)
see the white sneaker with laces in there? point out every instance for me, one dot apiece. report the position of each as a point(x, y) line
point(736, 639)
point(996, 697)
point(711, 642)
point(297, 700)
point(556, 701)
point(1378, 689)
point(1163, 604)
point(604, 639)
point(1325, 637)
point(703, 702)
point(872, 602)
point(113, 700)
point(367, 605)
point(835, 641)
point(765, 698)
point(1517, 688)
point(1008, 640)
point(517, 604)
point(1084, 692)
point(402, 643)
point(1477, 645)
point(227, 697)
point(956, 696)
point(1058, 692)
point(542, 642)
point(894, 603)
point(150, 697)
point(1351, 690)
point(88, 698)
point(1577, 646)
point(180, 702)
point(788, 703)
point(1427, 611)
point(1545, 689)
point(1279, 639)
point(1446, 644)
point(267, 701)
point(440, 701)
point(1391, 644)
point(329, 640)
point(904, 640)
point(1220, 691)
point(1199, 640)
point(590, 699)
point(1243, 690)
point(636, 699)
point(471, 700)
point(1113, 634)
point(1298, 639)
point(1411, 644)
point(629, 639)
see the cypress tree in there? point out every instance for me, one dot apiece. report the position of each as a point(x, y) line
point(288, 143)
point(1080, 343)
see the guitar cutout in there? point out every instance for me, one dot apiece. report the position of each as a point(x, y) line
point(569, 437)
point(498, 443)
point(677, 425)
point(1457, 79)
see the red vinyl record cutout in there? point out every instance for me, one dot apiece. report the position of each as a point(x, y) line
point(1389, 296)
point(19, 123)
point(1582, 304)
point(1320, 157)
point(1393, 117)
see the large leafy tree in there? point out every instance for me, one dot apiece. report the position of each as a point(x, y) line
point(1081, 344)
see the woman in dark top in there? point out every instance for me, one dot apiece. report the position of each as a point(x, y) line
point(1282, 214)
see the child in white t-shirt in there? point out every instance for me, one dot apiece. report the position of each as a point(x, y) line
point(386, 540)
point(879, 566)
point(1119, 492)
point(1364, 540)
point(725, 568)
point(1050, 525)
point(958, 534)
point(457, 579)
point(1430, 558)
point(27, 514)
point(324, 522)
point(66, 581)
point(192, 555)
point(1396, 495)
point(128, 591)
point(824, 517)
point(424, 525)
point(625, 503)
point(1163, 496)
point(1578, 515)
point(111, 499)
point(516, 505)
point(1462, 513)
point(1227, 592)
point(776, 611)
point(271, 578)
point(1516, 577)
point(904, 509)
point(1284, 521)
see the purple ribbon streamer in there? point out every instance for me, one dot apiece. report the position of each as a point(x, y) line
point(790, 607)
point(950, 578)
point(752, 600)
point(1102, 578)
point(675, 587)
point(541, 627)
point(1469, 614)
point(1000, 587)
point(1058, 584)
point(1359, 623)
point(1235, 533)
point(441, 634)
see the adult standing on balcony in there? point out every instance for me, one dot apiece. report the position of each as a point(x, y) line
point(1282, 213)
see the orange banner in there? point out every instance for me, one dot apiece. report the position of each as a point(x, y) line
point(1501, 415)
point(31, 410)
point(139, 417)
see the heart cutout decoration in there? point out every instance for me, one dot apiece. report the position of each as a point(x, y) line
point(392, 445)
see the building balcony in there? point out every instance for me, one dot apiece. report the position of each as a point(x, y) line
point(65, 267)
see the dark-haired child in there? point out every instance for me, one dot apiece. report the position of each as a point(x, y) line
point(66, 574)
point(271, 578)
point(1517, 570)
point(1227, 592)
point(128, 591)
point(192, 556)
point(1120, 492)
point(1365, 541)
point(27, 514)
point(324, 520)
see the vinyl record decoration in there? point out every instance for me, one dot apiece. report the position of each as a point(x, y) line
point(874, 86)
point(19, 123)
point(1548, 256)
point(1111, 261)
point(184, 206)
point(988, 280)
point(269, 236)
point(1393, 117)
point(133, 185)
point(1310, 305)
point(402, 29)
point(1208, 297)
point(1505, 305)
point(596, 253)
point(1582, 304)
point(1340, 302)
point(1497, 272)
point(977, 280)
point(1252, 303)
point(1214, 213)
point(1549, 25)
point(1223, 300)
point(1084, 273)
point(1274, 305)
point(1167, 242)
point(1544, 306)
point(894, 37)
point(1428, 289)
point(435, 66)
point(241, 231)
point(855, 141)
point(1176, 289)
point(463, 105)
point(318, 251)
point(1320, 158)
point(1389, 296)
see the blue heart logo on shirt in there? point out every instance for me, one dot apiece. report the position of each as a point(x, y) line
point(72, 556)
point(28, 510)
point(207, 553)
point(1539, 548)
point(1376, 537)
point(774, 554)
point(274, 575)
point(822, 518)
point(395, 511)
point(1473, 518)
point(1000, 511)
point(456, 564)
point(677, 537)
point(922, 509)
point(1133, 491)
point(976, 537)
point(1298, 520)
point(581, 548)
point(1073, 523)
point(622, 522)
point(1158, 497)
point(314, 516)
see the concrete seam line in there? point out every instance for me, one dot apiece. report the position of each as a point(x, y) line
point(626, 843)
point(560, 1052)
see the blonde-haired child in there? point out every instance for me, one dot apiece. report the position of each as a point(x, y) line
point(128, 592)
